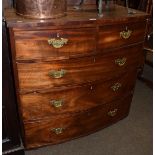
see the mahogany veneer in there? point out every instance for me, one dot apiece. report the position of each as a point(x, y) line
point(35, 76)
point(109, 38)
point(33, 44)
point(80, 82)
point(41, 132)
point(76, 99)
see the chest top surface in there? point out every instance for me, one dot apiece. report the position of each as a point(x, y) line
point(75, 18)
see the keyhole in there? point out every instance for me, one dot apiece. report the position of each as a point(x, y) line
point(58, 35)
point(91, 87)
point(126, 28)
point(94, 60)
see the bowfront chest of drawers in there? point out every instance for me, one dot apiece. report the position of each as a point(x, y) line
point(74, 75)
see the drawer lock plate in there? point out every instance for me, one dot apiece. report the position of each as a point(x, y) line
point(116, 86)
point(57, 43)
point(125, 34)
point(113, 112)
point(57, 103)
point(58, 131)
point(57, 74)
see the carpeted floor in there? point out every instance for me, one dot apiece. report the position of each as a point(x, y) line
point(131, 136)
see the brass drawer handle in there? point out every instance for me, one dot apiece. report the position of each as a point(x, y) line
point(57, 103)
point(58, 131)
point(116, 86)
point(125, 34)
point(121, 61)
point(57, 42)
point(57, 74)
point(113, 112)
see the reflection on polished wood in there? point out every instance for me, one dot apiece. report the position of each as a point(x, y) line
point(74, 87)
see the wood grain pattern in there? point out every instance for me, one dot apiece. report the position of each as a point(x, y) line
point(35, 76)
point(40, 133)
point(38, 106)
point(34, 44)
point(89, 60)
point(109, 36)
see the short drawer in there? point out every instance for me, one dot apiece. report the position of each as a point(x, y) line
point(47, 103)
point(112, 36)
point(44, 75)
point(65, 127)
point(54, 44)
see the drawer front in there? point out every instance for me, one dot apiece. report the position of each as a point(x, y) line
point(112, 36)
point(65, 127)
point(54, 43)
point(46, 104)
point(36, 76)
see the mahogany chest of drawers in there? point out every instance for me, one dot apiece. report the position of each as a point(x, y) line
point(74, 75)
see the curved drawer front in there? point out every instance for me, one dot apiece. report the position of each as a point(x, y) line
point(35, 76)
point(45, 104)
point(112, 36)
point(54, 43)
point(65, 127)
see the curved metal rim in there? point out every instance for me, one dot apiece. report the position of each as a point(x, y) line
point(44, 17)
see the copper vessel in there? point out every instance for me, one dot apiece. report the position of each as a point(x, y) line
point(41, 9)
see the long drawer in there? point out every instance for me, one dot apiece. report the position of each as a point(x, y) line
point(46, 103)
point(65, 127)
point(43, 75)
point(112, 36)
point(54, 43)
